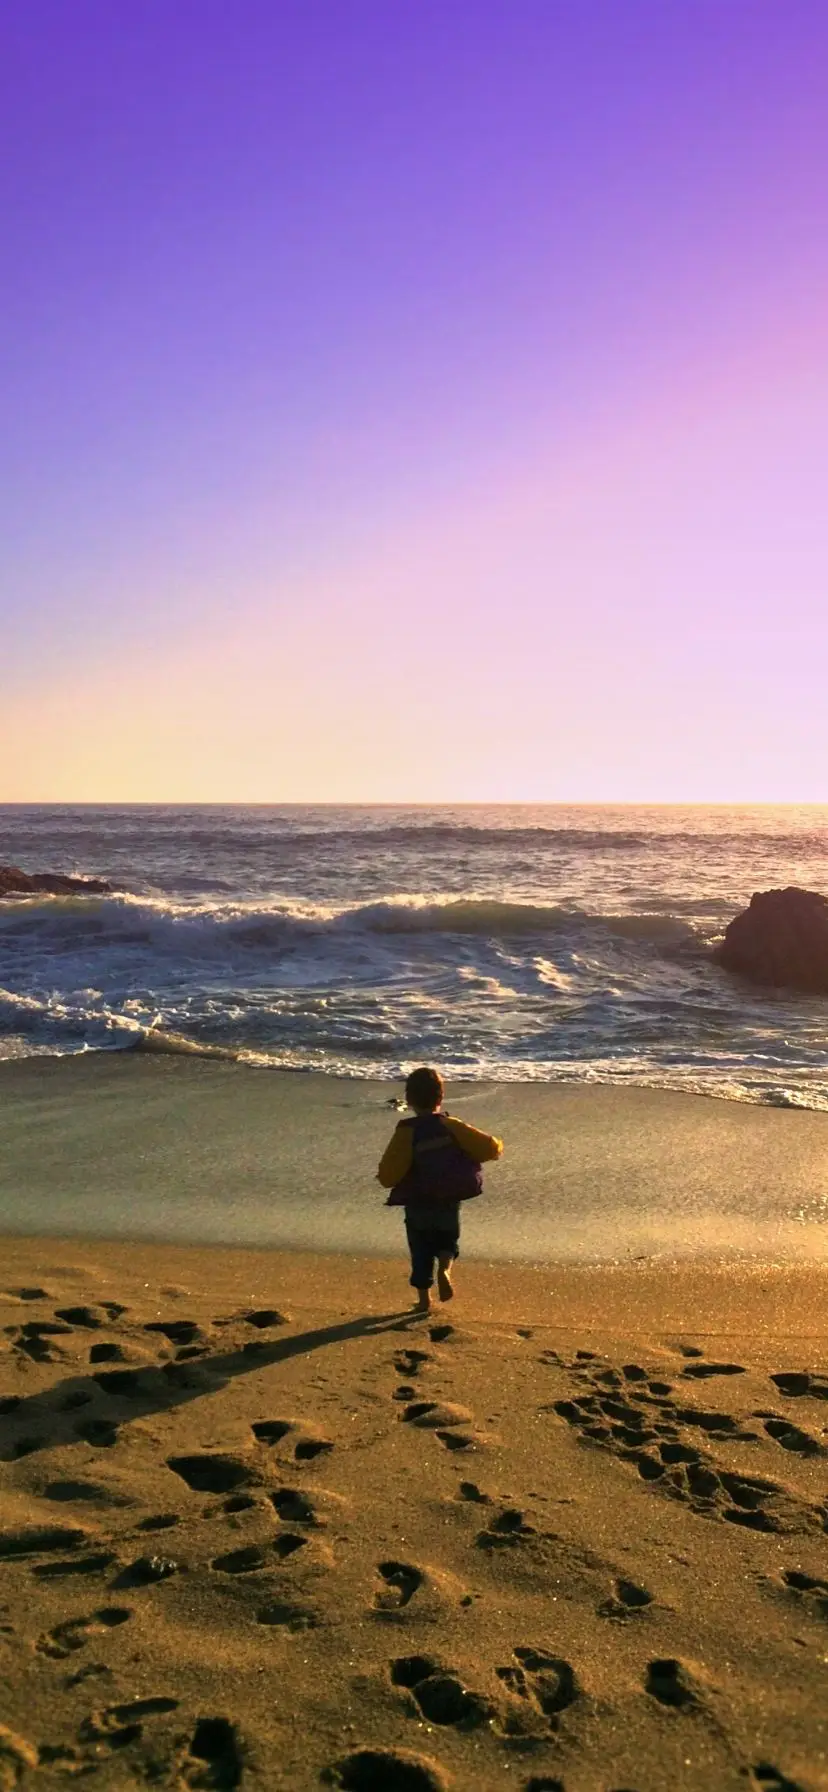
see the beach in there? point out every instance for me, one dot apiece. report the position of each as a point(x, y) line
point(262, 1528)
point(191, 1150)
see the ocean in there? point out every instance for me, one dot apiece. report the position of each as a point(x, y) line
point(545, 943)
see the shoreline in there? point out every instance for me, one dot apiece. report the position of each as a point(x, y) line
point(784, 1097)
point(191, 1151)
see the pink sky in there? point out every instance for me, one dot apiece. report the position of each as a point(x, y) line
point(433, 406)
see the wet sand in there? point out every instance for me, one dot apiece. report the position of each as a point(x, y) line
point(259, 1528)
point(173, 1148)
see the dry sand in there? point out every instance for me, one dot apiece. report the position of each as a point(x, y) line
point(259, 1528)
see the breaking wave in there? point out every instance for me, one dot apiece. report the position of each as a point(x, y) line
point(524, 943)
point(205, 927)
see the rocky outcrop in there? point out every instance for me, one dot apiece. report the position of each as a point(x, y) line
point(781, 940)
point(14, 882)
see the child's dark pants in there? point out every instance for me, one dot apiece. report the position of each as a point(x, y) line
point(426, 1241)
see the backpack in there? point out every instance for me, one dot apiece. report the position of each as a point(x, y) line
point(440, 1170)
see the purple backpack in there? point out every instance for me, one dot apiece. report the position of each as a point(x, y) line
point(440, 1170)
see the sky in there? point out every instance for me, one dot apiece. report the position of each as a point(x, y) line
point(414, 400)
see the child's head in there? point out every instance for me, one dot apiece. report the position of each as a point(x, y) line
point(424, 1090)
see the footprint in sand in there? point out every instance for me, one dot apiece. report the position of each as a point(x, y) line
point(265, 1317)
point(294, 1506)
point(796, 1384)
point(399, 1582)
point(547, 1681)
point(634, 1372)
point(241, 1561)
point(74, 1633)
point(385, 1770)
point(271, 1431)
point(410, 1362)
point(17, 1756)
point(101, 1433)
point(91, 1670)
point(36, 1343)
point(41, 1540)
point(63, 1758)
point(702, 1370)
point(297, 1507)
point(627, 1601)
point(287, 1544)
point(469, 1490)
point(462, 1440)
point(86, 1318)
point(643, 1427)
point(212, 1473)
point(449, 1423)
point(672, 1683)
point(715, 1424)
point(809, 1590)
point(790, 1436)
point(767, 1778)
point(106, 1353)
point(252, 1558)
point(42, 1328)
point(507, 1531)
point(214, 1759)
point(97, 1564)
point(440, 1694)
point(431, 1415)
point(127, 1384)
point(119, 1725)
point(284, 1615)
point(177, 1331)
point(86, 1493)
point(307, 1446)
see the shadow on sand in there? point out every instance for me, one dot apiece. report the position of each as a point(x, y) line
point(91, 1408)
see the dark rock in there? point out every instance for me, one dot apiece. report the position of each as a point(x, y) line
point(781, 940)
point(14, 882)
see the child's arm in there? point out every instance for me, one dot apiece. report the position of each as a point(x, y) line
point(396, 1159)
point(483, 1147)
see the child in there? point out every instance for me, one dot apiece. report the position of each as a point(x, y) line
point(430, 1166)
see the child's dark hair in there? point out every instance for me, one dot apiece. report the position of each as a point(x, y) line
point(424, 1089)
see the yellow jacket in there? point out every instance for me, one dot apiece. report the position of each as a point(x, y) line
point(396, 1159)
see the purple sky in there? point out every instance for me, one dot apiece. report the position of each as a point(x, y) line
point(414, 400)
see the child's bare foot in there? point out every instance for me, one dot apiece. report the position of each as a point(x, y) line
point(423, 1301)
point(444, 1287)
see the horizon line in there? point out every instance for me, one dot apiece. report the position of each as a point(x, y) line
point(416, 803)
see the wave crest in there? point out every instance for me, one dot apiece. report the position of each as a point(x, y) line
point(203, 927)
